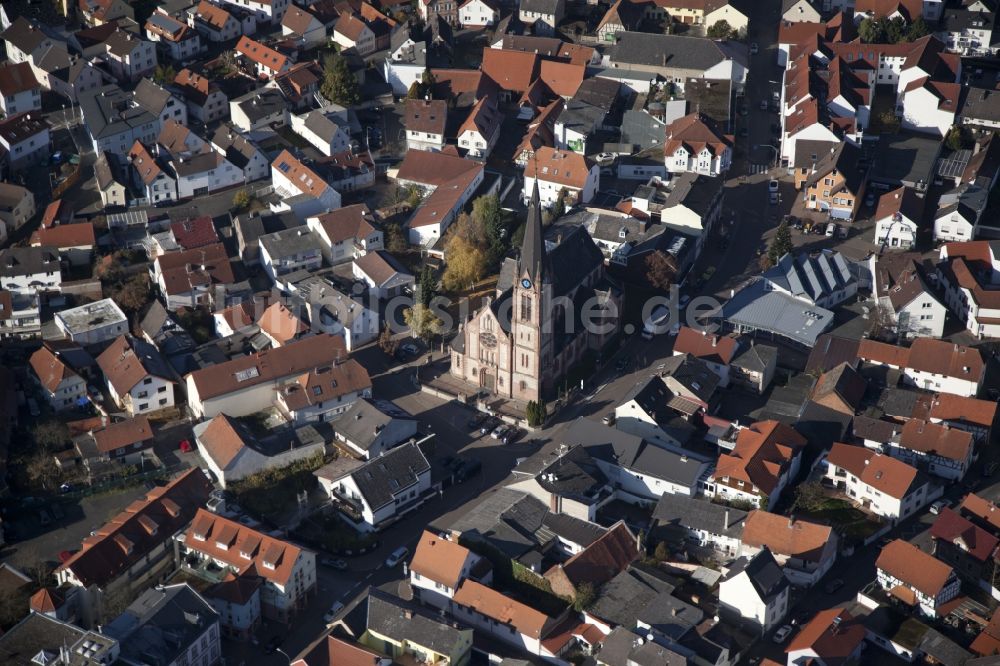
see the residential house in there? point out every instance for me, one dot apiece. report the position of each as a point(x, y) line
point(92, 323)
point(977, 107)
point(382, 490)
point(930, 364)
point(75, 241)
point(218, 25)
point(232, 452)
point(25, 40)
point(110, 183)
point(261, 109)
point(247, 384)
point(120, 560)
point(764, 460)
point(439, 566)
point(542, 15)
point(840, 389)
point(837, 183)
point(241, 152)
point(917, 579)
point(692, 206)
point(264, 11)
point(974, 416)
point(754, 366)
point(283, 252)
point(410, 634)
point(350, 32)
point(280, 325)
point(898, 219)
point(930, 106)
point(679, 519)
point(332, 651)
point(833, 636)
point(622, 16)
point(128, 57)
point(676, 58)
point(122, 441)
point(881, 484)
point(115, 122)
point(481, 129)
point(324, 393)
point(695, 143)
point(425, 123)
point(189, 278)
point(333, 312)
point(754, 591)
point(369, 428)
point(177, 40)
point(348, 171)
point(507, 619)
point(805, 550)
point(596, 564)
point(19, 89)
point(942, 451)
point(29, 271)
point(969, 276)
point(205, 100)
point(105, 12)
point(65, 74)
point(959, 216)
point(969, 30)
point(561, 174)
point(716, 351)
point(384, 276)
point(318, 129)
point(449, 182)
point(638, 469)
point(60, 384)
point(301, 189)
point(288, 571)
point(432, 10)
point(138, 379)
point(656, 413)
point(185, 627)
point(909, 303)
point(17, 206)
point(478, 13)
point(967, 548)
point(155, 179)
point(346, 233)
point(263, 60)
point(303, 28)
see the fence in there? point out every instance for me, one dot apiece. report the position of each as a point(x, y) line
point(70, 181)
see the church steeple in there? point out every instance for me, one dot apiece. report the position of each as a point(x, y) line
point(533, 257)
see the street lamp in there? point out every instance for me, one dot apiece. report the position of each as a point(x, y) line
point(284, 654)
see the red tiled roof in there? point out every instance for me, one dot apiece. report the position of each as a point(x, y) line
point(16, 78)
point(143, 526)
point(985, 511)
point(920, 571)
point(260, 54)
point(884, 473)
point(502, 609)
point(78, 234)
point(800, 539)
point(931, 438)
point(602, 560)
point(833, 635)
point(182, 270)
point(122, 367)
point(695, 132)
point(439, 560)
point(195, 232)
point(512, 70)
point(123, 434)
point(953, 528)
point(562, 167)
point(50, 369)
point(706, 346)
point(761, 454)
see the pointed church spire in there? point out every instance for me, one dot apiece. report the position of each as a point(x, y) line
point(533, 257)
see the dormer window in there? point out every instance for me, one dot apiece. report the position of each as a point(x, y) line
point(269, 565)
point(622, 232)
point(222, 546)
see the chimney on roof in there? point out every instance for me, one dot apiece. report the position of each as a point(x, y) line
point(725, 520)
point(791, 520)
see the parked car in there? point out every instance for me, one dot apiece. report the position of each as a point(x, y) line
point(469, 468)
point(333, 563)
point(831, 229)
point(512, 435)
point(842, 232)
point(397, 556)
point(754, 49)
point(772, 186)
point(937, 506)
point(499, 431)
point(833, 586)
point(489, 425)
point(782, 634)
point(476, 421)
point(331, 614)
point(609, 419)
point(763, 105)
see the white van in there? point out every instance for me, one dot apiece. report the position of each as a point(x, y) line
point(655, 322)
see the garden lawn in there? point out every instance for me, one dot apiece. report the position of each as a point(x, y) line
point(845, 518)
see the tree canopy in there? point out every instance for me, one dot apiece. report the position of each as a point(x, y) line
point(339, 84)
point(781, 244)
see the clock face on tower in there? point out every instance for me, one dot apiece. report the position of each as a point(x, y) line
point(526, 283)
point(487, 340)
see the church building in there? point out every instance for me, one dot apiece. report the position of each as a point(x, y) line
point(552, 304)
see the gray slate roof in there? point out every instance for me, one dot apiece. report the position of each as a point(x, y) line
point(364, 419)
point(151, 97)
point(387, 616)
point(764, 573)
point(382, 478)
point(756, 308)
point(632, 453)
point(109, 110)
point(18, 261)
point(694, 191)
point(810, 276)
point(755, 357)
point(699, 514)
point(673, 51)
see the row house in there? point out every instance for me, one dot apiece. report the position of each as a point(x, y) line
point(24, 40)
point(157, 183)
point(247, 384)
point(25, 137)
point(481, 129)
point(439, 566)
point(561, 173)
point(917, 579)
point(881, 484)
point(929, 364)
point(64, 73)
point(134, 548)
point(241, 152)
point(898, 218)
point(288, 571)
point(959, 216)
point(765, 458)
point(971, 415)
point(971, 281)
point(346, 233)
point(837, 182)
point(695, 143)
point(115, 122)
point(937, 449)
point(137, 378)
point(709, 525)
